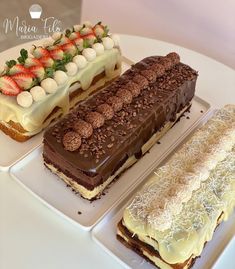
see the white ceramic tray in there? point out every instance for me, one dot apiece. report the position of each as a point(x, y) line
point(104, 233)
point(31, 173)
point(13, 151)
point(226, 259)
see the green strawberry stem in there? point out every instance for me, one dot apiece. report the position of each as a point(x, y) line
point(23, 56)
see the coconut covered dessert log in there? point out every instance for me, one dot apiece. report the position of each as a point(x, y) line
point(176, 212)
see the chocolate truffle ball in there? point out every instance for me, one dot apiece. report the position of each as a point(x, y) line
point(115, 102)
point(134, 88)
point(149, 74)
point(71, 141)
point(106, 110)
point(174, 57)
point(83, 128)
point(166, 62)
point(125, 95)
point(158, 69)
point(95, 119)
point(141, 81)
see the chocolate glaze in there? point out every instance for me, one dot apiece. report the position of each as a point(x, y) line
point(123, 136)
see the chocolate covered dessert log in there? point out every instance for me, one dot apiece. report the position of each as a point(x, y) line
point(178, 209)
point(66, 69)
point(107, 133)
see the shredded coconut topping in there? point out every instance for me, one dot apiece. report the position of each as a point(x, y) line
point(198, 173)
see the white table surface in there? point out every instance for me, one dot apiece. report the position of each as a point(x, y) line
point(34, 237)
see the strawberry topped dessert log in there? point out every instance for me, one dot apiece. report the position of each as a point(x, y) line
point(38, 88)
point(110, 131)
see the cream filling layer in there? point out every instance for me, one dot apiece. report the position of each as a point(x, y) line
point(89, 194)
point(32, 118)
point(195, 223)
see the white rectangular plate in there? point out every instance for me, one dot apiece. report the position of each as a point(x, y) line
point(226, 258)
point(13, 151)
point(32, 174)
point(104, 233)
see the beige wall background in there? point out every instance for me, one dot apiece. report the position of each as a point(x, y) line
point(204, 26)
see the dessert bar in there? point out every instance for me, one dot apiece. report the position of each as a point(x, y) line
point(178, 209)
point(110, 131)
point(66, 69)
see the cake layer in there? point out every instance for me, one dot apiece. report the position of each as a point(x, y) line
point(179, 207)
point(141, 103)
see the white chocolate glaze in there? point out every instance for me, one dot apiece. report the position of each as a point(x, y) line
point(32, 118)
point(176, 220)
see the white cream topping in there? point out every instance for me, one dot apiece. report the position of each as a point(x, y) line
point(49, 85)
point(116, 39)
point(89, 54)
point(108, 43)
point(71, 69)
point(38, 93)
point(60, 77)
point(99, 48)
point(32, 118)
point(24, 99)
point(80, 61)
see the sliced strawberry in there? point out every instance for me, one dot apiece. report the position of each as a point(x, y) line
point(98, 30)
point(38, 71)
point(90, 39)
point(8, 86)
point(86, 31)
point(47, 61)
point(24, 81)
point(74, 35)
point(78, 42)
point(69, 48)
point(39, 52)
point(18, 68)
point(57, 53)
point(32, 62)
point(63, 40)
